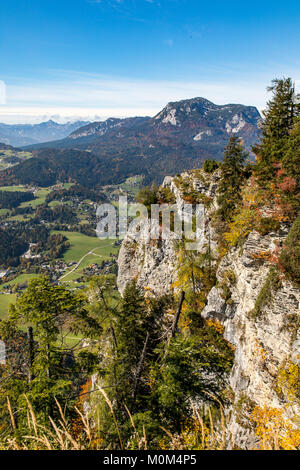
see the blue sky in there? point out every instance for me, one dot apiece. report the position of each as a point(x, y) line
point(94, 59)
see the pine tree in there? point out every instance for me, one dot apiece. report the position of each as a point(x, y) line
point(279, 118)
point(233, 175)
point(195, 368)
point(290, 255)
point(131, 333)
point(291, 159)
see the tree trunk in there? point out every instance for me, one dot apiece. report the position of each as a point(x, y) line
point(140, 366)
point(30, 352)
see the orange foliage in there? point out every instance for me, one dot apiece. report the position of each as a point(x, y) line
point(288, 184)
point(273, 430)
point(216, 324)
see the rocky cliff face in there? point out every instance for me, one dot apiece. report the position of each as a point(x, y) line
point(263, 330)
point(153, 264)
point(262, 343)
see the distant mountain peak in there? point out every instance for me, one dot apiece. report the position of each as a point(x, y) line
point(102, 127)
point(175, 111)
point(230, 117)
point(20, 135)
point(180, 137)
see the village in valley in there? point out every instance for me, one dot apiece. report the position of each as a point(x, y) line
point(57, 229)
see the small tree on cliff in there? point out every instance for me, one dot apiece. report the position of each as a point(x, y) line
point(232, 178)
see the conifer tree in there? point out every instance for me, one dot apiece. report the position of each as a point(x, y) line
point(232, 178)
point(291, 159)
point(131, 332)
point(279, 119)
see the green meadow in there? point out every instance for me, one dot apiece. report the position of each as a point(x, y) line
point(13, 188)
point(5, 300)
point(21, 279)
point(86, 249)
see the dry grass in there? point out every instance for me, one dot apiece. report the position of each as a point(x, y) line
point(80, 434)
point(83, 434)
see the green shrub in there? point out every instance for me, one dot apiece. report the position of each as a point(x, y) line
point(267, 225)
point(166, 195)
point(209, 166)
point(290, 255)
point(272, 283)
point(148, 196)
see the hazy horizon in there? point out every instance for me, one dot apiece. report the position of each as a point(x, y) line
point(18, 118)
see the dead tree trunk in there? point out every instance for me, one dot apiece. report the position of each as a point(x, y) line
point(115, 357)
point(30, 352)
point(175, 323)
point(176, 318)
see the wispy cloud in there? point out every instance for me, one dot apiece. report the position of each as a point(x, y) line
point(126, 8)
point(86, 95)
point(80, 89)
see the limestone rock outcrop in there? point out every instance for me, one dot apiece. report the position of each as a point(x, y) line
point(264, 340)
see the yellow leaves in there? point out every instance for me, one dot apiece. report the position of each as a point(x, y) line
point(263, 255)
point(151, 381)
point(184, 322)
point(217, 325)
point(243, 223)
point(174, 285)
point(195, 435)
point(259, 351)
point(171, 311)
point(251, 196)
point(200, 304)
point(288, 382)
point(274, 431)
point(291, 441)
point(149, 294)
point(222, 250)
point(220, 329)
point(191, 435)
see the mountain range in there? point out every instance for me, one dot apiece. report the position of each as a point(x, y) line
point(19, 135)
point(180, 137)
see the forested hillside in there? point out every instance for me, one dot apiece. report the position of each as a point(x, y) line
point(180, 137)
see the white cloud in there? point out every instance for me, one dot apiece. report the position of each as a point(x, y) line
point(75, 94)
point(23, 115)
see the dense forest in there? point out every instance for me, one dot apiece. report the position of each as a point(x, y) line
point(61, 214)
point(75, 191)
point(11, 199)
point(15, 240)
